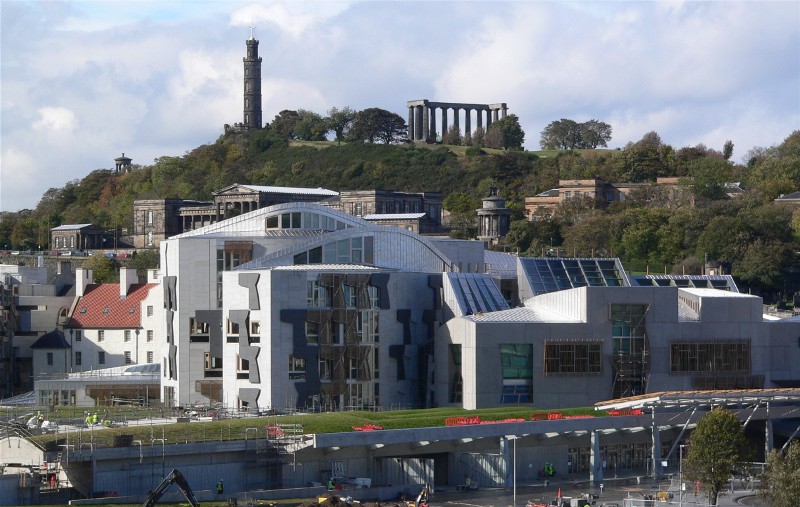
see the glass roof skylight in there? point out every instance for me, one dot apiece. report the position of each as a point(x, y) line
point(554, 274)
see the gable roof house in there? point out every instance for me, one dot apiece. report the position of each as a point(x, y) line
point(111, 325)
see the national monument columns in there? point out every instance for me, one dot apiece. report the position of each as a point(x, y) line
point(422, 117)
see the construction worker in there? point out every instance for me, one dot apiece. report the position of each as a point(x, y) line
point(331, 486)
point(88, 418)
point(220, 487)
point(94, 418)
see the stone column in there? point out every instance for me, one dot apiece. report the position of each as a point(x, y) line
point(488, 119)
point(480, 117)
point(505, 110)
point(444, 121)
point(494, 115)
point(467, 128)
point(418, 123)
point(425, 122)
point(411, 133)
point(432, 132)
point(456, 113)
point(595, 462)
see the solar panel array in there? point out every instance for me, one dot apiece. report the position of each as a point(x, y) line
point(476, 293)
point(554, 274)
point(721, 282)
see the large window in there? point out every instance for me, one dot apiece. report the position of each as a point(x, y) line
point(516, 361)
point(575, 358)
point(722, 356)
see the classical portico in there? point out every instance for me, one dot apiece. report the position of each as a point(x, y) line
point(422, 125)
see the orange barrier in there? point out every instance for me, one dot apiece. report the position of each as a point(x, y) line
point(626, 411)
point(368, 427)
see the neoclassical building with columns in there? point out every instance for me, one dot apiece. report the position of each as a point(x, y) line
point(422, 117)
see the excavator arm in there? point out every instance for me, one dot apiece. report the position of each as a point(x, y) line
point(174, 477)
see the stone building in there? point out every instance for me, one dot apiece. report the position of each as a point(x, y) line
point(422, 117)
point(77, 237)
point(376, 203)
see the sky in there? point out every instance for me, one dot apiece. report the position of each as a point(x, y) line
point(83, 82)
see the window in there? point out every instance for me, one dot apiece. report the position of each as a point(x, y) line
point(233, 327)
point(149, 238)
point(150, 311)
point(312, 332)
point(149, 217)
point(212, 363)
point(325, 369)
point(127, 335)
point(149, 335)
point(242, 364)
point(374, 296)
point(255, 328)
point(101, 335)
point(317, 295)
point(297, 368)
point(149, 356)
point(577, 358)
point(197, 327)
point(78, 335)
point(722, 356)
point(101, 357)
point(128, 357)
point(78, 359)
point(516, 361)
point(49, 359)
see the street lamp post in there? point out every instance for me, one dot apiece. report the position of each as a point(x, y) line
point(680, 475)
point(514, 478)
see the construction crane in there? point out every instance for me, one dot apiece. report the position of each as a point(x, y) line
point(174, 477)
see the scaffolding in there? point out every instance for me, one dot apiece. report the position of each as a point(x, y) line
point(347, 333)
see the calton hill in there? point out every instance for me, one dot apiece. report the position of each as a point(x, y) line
point(748, 231)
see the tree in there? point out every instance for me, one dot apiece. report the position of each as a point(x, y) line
point(463, 213)
point(561, 134)
point(780, 482)
point(452, 136)
point(727, 149)
point(284, 124)
point(717, 448)
point(104, 270)
point(506, 134)
point(310, 126)
point(143, 260)
point(339, 121)
point(594, 133)
point(375, 124)
point(478, 137)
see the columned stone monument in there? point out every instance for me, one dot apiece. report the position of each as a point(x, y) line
point(422, 117)
point(494, 219)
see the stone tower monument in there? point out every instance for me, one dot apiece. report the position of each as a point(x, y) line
point(494, 218)
point(252, 85)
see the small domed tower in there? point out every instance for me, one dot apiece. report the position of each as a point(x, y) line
point(123, 164)
point(494, 218)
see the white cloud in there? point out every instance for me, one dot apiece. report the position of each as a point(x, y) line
point(55, 119)
point(292, 17)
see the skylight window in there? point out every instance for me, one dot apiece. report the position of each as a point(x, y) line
point(84, 309)
point(106, 310)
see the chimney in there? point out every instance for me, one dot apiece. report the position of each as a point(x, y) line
point(127, 277)
point(83, 278)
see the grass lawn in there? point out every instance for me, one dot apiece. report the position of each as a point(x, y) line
point(328, 422)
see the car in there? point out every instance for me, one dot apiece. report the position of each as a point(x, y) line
point(55, 253)
point(123, 255)
point(110, 255)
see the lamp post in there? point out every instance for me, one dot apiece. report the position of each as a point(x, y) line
point(680, 475)
point(515, 471)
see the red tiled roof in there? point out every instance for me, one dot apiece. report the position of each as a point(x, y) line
point(101, 307)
